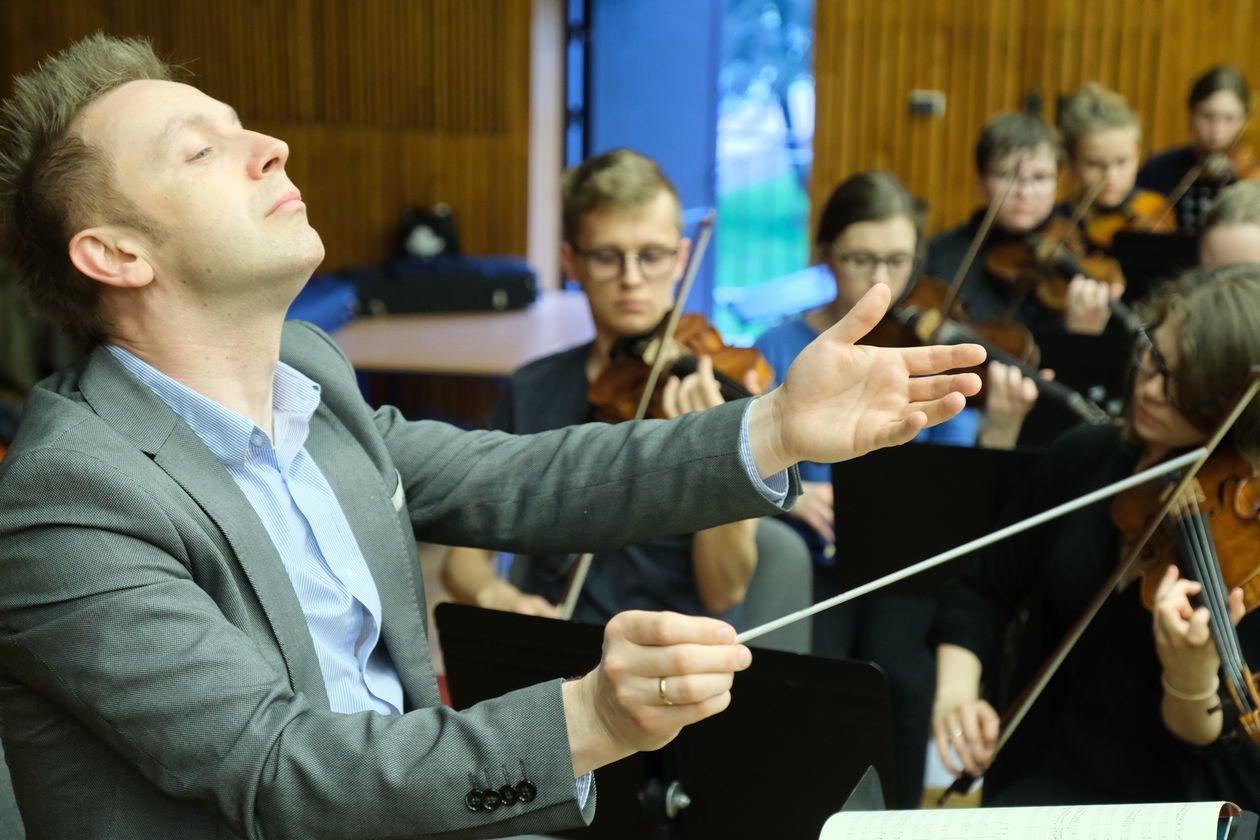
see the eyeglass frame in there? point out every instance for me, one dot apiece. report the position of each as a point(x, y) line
point(1037, 180)
point(1143, 347)
point(587, 254)
point(876, 262)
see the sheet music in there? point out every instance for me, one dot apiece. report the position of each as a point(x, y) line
point(1163, 821)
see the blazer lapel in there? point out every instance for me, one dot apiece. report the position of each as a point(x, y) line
point(370, 501)
point(137, 413)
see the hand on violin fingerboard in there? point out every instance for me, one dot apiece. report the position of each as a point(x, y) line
point(1009, 397)
point(1088, 305)
point(840, 399)
point(698, 391)
point(1189, 658)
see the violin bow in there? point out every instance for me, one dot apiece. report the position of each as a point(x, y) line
point(960, 276)
point(1194, 458)
point(1117, 580)
point(1191, 176)
point(703, 232)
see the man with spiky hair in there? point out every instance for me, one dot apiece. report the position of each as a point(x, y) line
point(211, 622)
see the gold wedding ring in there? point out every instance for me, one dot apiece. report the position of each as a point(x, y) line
point(660, 689)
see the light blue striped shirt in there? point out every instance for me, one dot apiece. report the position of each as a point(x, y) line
point(307, 526)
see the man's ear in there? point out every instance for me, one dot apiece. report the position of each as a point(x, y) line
point(111, 257)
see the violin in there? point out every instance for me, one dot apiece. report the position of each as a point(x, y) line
point(1144, 211)
point(1213, 535)
point(616, 392)
point(917, 319)
point(1046, 261)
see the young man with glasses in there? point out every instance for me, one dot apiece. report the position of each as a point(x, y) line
point(1020, 150)
point(623, 244)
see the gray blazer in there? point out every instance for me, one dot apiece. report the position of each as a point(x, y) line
point(157, 678)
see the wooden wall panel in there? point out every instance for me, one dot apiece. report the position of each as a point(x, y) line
point(987, 55)
point(384, 103)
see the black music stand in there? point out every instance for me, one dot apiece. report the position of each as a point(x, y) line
point(799, 734)
point(1148, 258)
point(1096, 366)
point(898, 506)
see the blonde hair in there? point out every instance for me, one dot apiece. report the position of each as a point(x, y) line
point(54, 184)
point(1093, 109)
point(621, 179)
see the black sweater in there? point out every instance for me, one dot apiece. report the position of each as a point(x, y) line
point(1098, 724)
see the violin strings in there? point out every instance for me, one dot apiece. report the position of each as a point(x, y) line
point(1199, 549)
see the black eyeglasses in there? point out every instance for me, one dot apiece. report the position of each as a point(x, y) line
point(607, 264)
point(1148, 361)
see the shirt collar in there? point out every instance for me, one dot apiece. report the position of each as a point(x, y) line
point(227, 433)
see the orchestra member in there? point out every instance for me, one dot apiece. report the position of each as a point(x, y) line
point(1101, 135)
point(1219, 105)
point(869, 233)
point(1133, 715)
point(624, 245)
point(1023, 152)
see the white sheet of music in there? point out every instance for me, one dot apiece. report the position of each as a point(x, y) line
point(1163, 821)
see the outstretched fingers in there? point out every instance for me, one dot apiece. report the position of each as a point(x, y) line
point(863, 317)
point(938, 358)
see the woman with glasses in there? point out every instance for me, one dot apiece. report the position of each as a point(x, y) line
point(1134, 713)
point(869, 232)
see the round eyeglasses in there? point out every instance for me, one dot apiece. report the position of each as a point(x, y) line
point(604, 265)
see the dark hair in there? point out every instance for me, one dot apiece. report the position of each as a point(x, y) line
point(1013, 131)
point(868, 197)
point(1219, 78)
point(621, 179)
point(1218, 343)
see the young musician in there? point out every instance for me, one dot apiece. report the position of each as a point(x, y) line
point(1132, 715)
point(869, 233)
point(623, 244)
point(1020, 151)
point(1219, 105)
point(1101, 134)
point(211, 622)
point(1231, 228)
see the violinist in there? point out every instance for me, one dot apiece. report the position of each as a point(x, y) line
point(869, 232)
point(1219, 105)
point(1021, 151)
point(1101, 134)
point(623, 244)
point(1231, 229)
point(1133, 714)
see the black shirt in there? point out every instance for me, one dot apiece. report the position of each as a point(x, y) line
point(1164, 171)
point(1098, 725)
point(985, 295)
